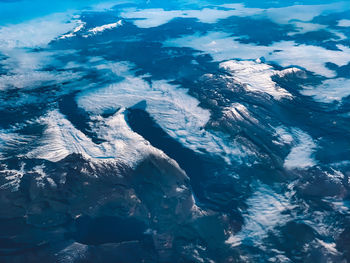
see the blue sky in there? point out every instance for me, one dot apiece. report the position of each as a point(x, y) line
point(22, 10)
point(16, 11)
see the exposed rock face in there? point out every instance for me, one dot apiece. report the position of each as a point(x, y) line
point(80, 210)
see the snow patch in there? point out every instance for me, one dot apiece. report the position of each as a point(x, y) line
point(330, 247)
point(239, 112)
point(13, 178)
point(80, 26)
point(102, 28)
point(61, 138)
point(256, 77)
point(12, 141)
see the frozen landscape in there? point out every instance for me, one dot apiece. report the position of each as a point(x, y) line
point(174, 131)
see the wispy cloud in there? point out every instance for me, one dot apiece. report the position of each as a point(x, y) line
point(37, 32)
point(221, 46)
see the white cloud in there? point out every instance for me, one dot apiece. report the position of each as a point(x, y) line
point(172, 108)
point(147, 18)
point(302, 147)
point(284, 137)
point(266, 210)
point(19, 60)
point(329, 91)
point(24, 70)
point(300, 156)
point(107, 5)
point(312, 58)
point(344, 23)
point(155, 17)
point(34, 79)
point(36, 32)
point(304, 27)
point(150, 17)
point(303, 13)
point(222, 46)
